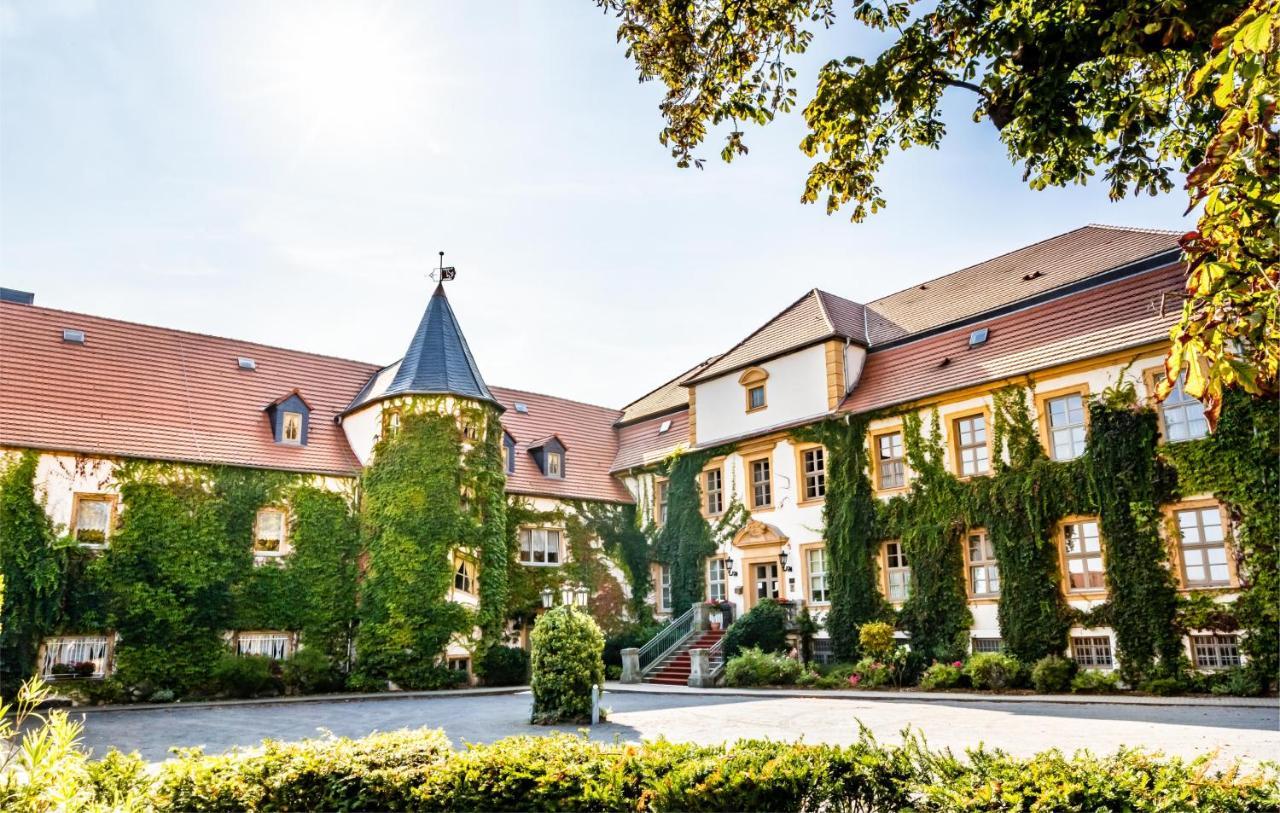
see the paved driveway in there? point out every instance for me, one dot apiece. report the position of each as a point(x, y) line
point(1022, 728)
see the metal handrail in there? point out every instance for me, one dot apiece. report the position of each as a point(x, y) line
point(665, 641)
point(715, 657)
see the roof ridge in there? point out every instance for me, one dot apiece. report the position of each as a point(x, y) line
point(1140, 229)
point(753, 333)
point(822, 307)
point(180, 331)
point(560, 398)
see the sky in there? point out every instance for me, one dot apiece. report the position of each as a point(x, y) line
point(286, 173)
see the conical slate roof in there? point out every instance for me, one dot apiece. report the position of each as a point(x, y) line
point(438, 361)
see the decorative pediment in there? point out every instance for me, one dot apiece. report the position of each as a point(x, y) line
point(757, 534)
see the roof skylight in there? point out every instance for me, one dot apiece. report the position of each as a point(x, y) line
point(522, 408)
point(246, 363)
point(978, 337)
point(72, 335)
point(664, 428)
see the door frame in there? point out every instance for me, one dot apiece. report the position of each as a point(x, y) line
point(749, 588)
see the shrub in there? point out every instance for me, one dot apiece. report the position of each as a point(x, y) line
point(993, 670)
point(835, 676)
point(633, 636)
point(1052, 674)
point(751, 667)
point(505, 666)
point(764, 627)
point(309, 672)
point(1239, 682)
point(1095, 681)
point(871, 673)
point(243, 675)
point(876, 639)
point(941, 676)
point(567, 661)
point(1163, 686)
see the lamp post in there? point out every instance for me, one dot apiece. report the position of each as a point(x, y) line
point(582, 594)
point(547, 597)
point(566, 594)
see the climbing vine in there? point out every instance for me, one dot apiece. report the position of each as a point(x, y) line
point(849, 517)
point(621, 537)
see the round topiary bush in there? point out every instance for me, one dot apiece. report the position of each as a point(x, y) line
point(764, 627)
point(567, 660)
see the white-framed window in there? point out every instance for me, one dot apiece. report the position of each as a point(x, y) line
point(986, 644)
point(464, 576)
point(1216, 651)
point(1092, 651)
point(1066, 426)
point(663, 489)
point(393, 422)
point(92, 521)
point(971, 445)
point(539, 546)
point(275, 644)
point(761, 483)
point(291, 430)
point(269, 533)
point(897, 572)
point(1203, 546)
point(459, 663)
point(714, 490)
point(506, 458)
point(717, 584)
point(815, 473)
point(553, 464)
point(1183, 415)
point(664, 588)
point(1082, 547)
point(819, 592)
point(890, 466)
point(75, 656)
point(984, 570)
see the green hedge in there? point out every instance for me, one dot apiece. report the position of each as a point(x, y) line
point(417, 770)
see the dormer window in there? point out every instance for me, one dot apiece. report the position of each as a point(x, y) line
point(508, 453)
point(549, 453)
point(290, 419)
point(753, 384)
point(553, 464)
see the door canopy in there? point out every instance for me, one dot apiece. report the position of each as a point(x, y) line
point(756, 534)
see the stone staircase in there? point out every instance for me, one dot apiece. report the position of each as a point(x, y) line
point(674, 669)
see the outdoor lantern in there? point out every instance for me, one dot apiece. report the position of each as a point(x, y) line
point(566, 594)
point(582, 595)
point(547, 597)
point(782, 559)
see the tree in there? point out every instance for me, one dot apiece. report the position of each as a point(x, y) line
point(1073, 89)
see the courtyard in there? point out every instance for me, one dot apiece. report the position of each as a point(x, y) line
point(1023, 728)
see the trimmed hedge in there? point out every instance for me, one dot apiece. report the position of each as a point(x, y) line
point(417, 770)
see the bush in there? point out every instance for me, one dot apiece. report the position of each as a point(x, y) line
point(993, 670)
point(876, 639)
point(871, 673)
point(1163, 686)
point(310, 672)
point(764, 627)
point(505, 666)
point(632, 636)
point(244, 675)
point(1238, 682)
point(567, 661)
point(1095, 681)
point(1052, 674)
point(941, 676)
point(751, 667)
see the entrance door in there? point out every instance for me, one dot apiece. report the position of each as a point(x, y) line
point(765, 581)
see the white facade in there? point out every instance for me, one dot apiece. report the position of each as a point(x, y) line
point(796, 388)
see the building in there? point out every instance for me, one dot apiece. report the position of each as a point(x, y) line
point(1071, 315)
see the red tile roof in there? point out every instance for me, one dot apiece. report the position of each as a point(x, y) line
point(1112, 317)
point(668, 397)
point(148, 392)
point(642, 443)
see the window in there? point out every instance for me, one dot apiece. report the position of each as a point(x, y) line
point(86, 656)
point(539, 546)
point(664, 588)
point(292, 428)
point(1066, 426)
point(93, 519)
point(464, 576)
point(1082, 548)
point(469, 431)
point(984, 572)
point(1092, 651)
point(987, 644)
point(391, 426)
point(714, 491)
point(460, 664)
point(814, 462)
point(269, 532)
point(822, 651)
point(897, 572)
point(1204, 548)
point(761, 483)
point(553, 464)
point(890, 469)
point(506, 458)
point(716, 583)
point(816, 562)
point(275, 645)
point(663, 489)
point(971, 445)
point(753, 382)
point(1183, 415)
point(1215, 651)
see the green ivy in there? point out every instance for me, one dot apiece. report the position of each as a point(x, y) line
point(621, 537)
point(849, 517)
point(1128, 484)
point(32, 563)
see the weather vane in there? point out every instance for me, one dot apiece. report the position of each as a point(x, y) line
point(443, 272)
